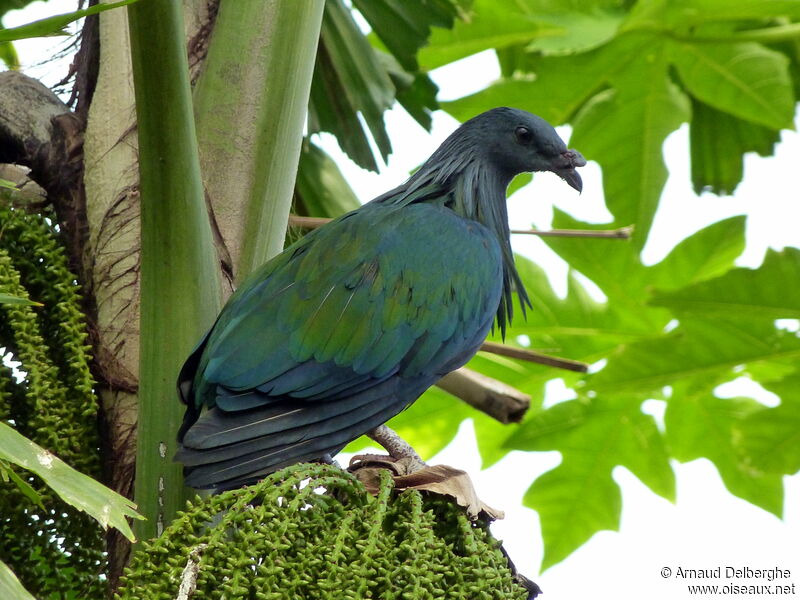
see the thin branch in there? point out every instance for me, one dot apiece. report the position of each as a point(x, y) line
point(535, 357)
point(621, 233)
point(495, 398)
point(307, 222)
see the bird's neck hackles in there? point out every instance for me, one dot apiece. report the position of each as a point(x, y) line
point(475, 190)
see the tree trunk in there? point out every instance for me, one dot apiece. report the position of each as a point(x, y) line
point(108, 247)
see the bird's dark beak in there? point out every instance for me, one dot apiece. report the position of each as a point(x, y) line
point(565, 167)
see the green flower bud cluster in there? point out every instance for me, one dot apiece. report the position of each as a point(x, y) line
point(314, 531)
point(48, 397)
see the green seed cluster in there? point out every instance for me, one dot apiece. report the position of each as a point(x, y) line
point(59, 552)
point(313, 531)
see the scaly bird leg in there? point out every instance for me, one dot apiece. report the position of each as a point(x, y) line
point(396, 446)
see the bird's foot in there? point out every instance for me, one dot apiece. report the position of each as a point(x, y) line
point(439, 479)
point(397, 447)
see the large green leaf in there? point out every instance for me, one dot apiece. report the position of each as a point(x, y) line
point(601, 260)
point(679, 15)
point(491, 25)
point(614, 265)
point(578, 30)
point(10, 587)
point(718, 142)
point(770, 291)
point(708, 348)
point(558, 86)
point(84, 493)
point(575, 326)
point(700, 425)
point(708, 253)
point(349, 80)
point(404, 27)
point(745, 80)
point(771, 437)
point(579, 497)
point(644, 107)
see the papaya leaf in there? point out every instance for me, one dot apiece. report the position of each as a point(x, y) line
point(768, 291)
point(490, 25)
point(771, 437)
point(748, 80)
point(700, 425)
point(718, 142)
point(579, 497)
point(707, 253)
point(678, 15)
point(557, 87)
point(578, 30)
point(646, 105)
point(697, 347)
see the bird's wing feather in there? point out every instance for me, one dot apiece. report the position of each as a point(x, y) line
point(388, 303)
point(313, 350)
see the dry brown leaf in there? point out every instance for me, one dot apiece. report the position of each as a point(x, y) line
point(407, 475)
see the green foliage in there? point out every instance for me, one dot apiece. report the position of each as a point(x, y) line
point(625, 79)
point(53, 25)
point(76, 489)
point(321, 190)
point(355, 80)
point(53, 405)
point(625, 75)
point(313, 531)
point(8, 53)
point(9, 299)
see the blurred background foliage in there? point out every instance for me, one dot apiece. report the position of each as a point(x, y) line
point(624, 75)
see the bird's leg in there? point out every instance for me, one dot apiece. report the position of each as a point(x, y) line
point(396, 446)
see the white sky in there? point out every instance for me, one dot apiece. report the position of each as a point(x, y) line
point(707, 527)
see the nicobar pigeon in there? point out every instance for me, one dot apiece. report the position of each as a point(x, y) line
point(351, 324)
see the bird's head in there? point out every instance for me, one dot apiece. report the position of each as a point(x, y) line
point(473, 167)
point(514, 141)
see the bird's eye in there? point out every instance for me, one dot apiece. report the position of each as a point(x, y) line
point(524, 135)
